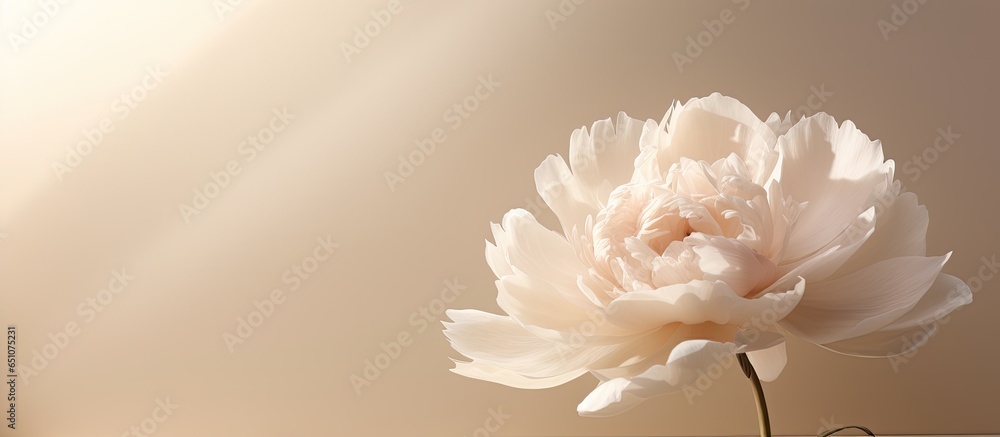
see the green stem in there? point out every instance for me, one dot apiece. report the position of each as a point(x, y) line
point(758, 392)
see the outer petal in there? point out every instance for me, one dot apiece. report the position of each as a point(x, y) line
point(911, 331)
point(831, 257)
point(647, 168)
point(600, 160)
point(780, 125)
point(492, 373)
point(838, 170)
point(534, 250)
point(698, 302)
point(610, 398)
point(901, 230)
point(620, 394)
point(496, 256)
point(687, 362)
point(502, 342)
point(768, 363)
point(564, 194)
point(712, 128)
point(532, 301)
point(539, 276)
point(604, 158)
point(862, 302)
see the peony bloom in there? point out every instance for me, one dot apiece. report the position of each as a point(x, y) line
point(709, 234)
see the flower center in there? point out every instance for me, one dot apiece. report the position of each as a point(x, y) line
point(642, 238)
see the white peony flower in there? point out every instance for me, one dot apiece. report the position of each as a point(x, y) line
point(709, 234)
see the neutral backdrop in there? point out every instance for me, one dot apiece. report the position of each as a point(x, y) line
point(74, 214)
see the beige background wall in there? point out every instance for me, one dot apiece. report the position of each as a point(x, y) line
point(162, 337)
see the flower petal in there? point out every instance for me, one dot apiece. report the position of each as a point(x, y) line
point(536, 251)
point(778, 124)
point(838, 170)
point(712, 128)
point(768, 363)
point(532, 301)
point(604, 157)
point(502, 342)
point(864, 301)
point(687, 362)
point(496, 257)
point(730, 261)
point(698, 302)
point(684, 362)
point(608, 399)
point(492, 373)
point(830, 257)
point(600, 160)
point(647, 168)
point(563, 193)
point(900, 230)
point(913, 329)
